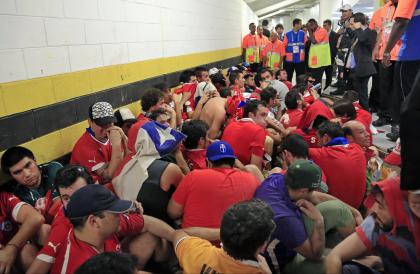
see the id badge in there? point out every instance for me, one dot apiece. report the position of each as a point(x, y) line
point(295, 49)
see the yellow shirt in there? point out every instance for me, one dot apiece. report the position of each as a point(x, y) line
point(196, 255)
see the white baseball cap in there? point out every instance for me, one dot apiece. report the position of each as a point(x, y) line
point(346, 7)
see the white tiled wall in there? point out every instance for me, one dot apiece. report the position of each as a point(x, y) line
point(46, 37)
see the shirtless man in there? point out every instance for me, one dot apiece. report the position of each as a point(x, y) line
point(212, 109)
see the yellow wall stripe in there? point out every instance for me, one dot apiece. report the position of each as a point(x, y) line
point(58, 143)
point(29, 94)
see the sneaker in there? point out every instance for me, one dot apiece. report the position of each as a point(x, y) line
point(380, 122)
point(393, 136)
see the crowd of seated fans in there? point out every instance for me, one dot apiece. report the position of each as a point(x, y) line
point(237, 173)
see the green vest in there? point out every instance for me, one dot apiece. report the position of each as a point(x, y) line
point(319, 55)
point(252, 55)
point(273, 60)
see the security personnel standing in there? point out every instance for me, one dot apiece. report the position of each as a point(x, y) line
point(273, 52)
point(343, 45)
point(294, 42)
point(250, 48)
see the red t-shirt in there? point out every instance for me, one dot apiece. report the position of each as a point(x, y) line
point(91, 153)
point(75, 252)
point(9, 209)
point(196, 158)
point(246, 138)
point(309, 136)
point(345, 168)
point(291, 118)
point(206, 194)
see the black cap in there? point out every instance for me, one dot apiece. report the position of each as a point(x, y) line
point(95, 198)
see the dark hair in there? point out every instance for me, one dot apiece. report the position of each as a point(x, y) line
point(14, 155)
point(301, 88)
point(296, 145)
point(359, 17)
point(150, 98)
point(297, 21)
point(318, 121)
point(80, 222)
point(333, 130)
point(291, 99)
point(234, 75)
point(251, 107)
point(199, 70)
point(265, 22)
point(224, 161)
point(279, 26)
point(351, 95)
point(194, 129)
point(218, 78)
point(161, 86)
point(225, 92)
point(66, 176)
point(328, 21)
point(245, 227)
point(302, 79)
point(267, 94)
point(264, 70)
point(250, 24)
point(109, 263)
point(344, 107)
point(156, 113)
point(312, 20)
point(248, 75)
point(185, 76)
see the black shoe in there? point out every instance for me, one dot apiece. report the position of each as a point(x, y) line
point(337, 92)
point(393, 136)
point(380, 122)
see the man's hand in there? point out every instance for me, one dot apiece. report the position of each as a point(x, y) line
point(309, 209)
point(7, 258)
point(263, 265)
point(386, 60)
point(138, 208)
point(114, 135)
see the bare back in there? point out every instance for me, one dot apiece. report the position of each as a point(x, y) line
point(214, 114)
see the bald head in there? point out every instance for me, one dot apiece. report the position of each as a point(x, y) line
point(356, 133)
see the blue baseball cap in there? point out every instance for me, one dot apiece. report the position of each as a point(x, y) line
point(95, 198)
point(219, 150)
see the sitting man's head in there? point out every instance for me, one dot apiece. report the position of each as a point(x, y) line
point(379, 208)
point(187, 76)
point(220, 154)
point(328, 131)
point(152, 99)
point(351, 95)
point(236, 78)
point(269, 96)
point(293, 100)
point(302, 177)
point(265, 74)
point(196, 131)
point(246, 229)
point(218, 80)
point(356, 133)
point(302, 79)
point(167, 94)
point(257, 112)
point(69, 179)
point(161, 116)
point(202, 74)
point(345, 110)
point(20, 163)
point(101, 118)
point(95, 210)
point(124, 119)
point(110, 263)
point(293, 147)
